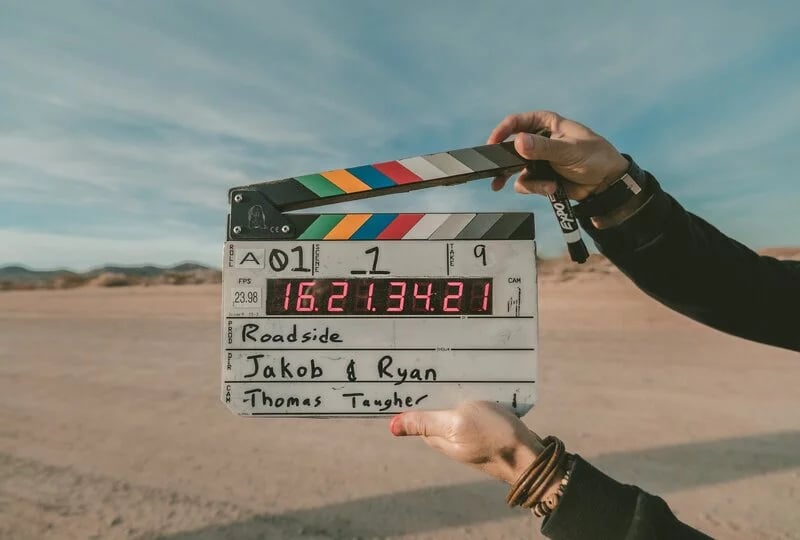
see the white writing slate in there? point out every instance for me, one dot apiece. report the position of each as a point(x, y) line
point(347, 326)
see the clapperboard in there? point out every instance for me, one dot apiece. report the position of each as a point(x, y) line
point(358, 315)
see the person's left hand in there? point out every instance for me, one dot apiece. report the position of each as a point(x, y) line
point(482, 434)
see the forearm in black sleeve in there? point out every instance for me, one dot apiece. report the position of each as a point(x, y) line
point(596, 506)
point(685, 263)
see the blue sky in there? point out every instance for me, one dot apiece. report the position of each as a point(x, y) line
point(123, 124)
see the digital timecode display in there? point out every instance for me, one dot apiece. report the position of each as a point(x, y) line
point(381, 296)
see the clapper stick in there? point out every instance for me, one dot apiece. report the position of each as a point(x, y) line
point(258, 211)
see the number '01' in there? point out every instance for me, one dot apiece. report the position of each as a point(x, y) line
point(279, 260)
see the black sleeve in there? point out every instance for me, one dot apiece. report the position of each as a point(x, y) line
point(691, 267)
point(596, 506)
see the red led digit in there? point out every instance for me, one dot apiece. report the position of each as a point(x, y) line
point(303, 296)
point(370, 292)
point(364, 301)
point(426, 296)
point(479, 297)
point(287, 296)
point(446, 307)
point(341, 296)
point(400, 297)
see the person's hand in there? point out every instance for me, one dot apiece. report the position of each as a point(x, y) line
point(577, 153)
point(482, 434)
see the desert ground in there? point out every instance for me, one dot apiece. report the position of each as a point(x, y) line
point(111, 426)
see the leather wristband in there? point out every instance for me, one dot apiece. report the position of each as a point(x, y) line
point(633, 182)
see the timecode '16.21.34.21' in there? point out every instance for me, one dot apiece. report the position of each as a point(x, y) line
point(382, 296)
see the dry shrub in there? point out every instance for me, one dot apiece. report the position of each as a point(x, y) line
point(564, 269)
point(209, 276)
point(170, 278)
point(8, 285)
point(111, 279)
point(68, 282)
point(194, 277)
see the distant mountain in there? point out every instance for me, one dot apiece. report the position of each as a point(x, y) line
point(22, 273)
point(21, 277)
point(147, 271)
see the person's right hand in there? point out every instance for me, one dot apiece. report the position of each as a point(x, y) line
point(588, 161)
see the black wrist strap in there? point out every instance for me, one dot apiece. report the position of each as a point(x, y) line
point(633, 182)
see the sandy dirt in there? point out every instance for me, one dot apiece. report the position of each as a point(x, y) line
point(111, 427)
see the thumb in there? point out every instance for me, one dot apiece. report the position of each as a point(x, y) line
point(531, 146)
point(425, 423)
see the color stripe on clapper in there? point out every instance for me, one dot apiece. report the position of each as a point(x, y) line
point(320, 227)
point(399, 227)
point(372, 177)
point(453, 225)
point(478, 226)
point(320, 185)
point(345, 181)
point(426, 226)
point(398, 173)
point(463, 226)
point(373, 227)
point(347, 226)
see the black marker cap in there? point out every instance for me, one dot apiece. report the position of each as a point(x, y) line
point(578, 251)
